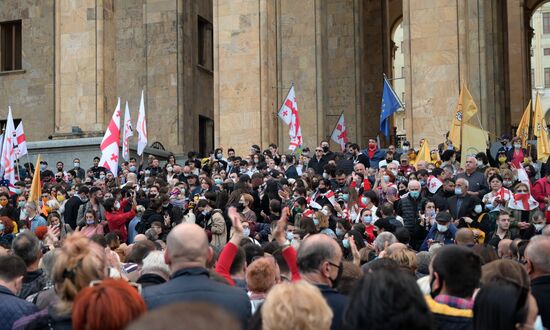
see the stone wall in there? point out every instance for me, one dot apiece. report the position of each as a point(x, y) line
point(31, 92)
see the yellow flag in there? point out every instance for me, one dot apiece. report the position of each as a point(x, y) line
point(541, 132)
point(523, 127)
point(36, 189)
point(424, 153)
point(466, 108)
point(474, 140)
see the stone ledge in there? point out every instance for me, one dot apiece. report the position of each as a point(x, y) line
point(5, 73)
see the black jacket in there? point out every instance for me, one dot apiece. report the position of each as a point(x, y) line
point(449, 318)
point(71, 211)
point(408, 209)
point(13, 308)
point(317, 164)
point(194, 285)
point(540, 287)
point(337, 303)
point(33, 282)
point(466, 208)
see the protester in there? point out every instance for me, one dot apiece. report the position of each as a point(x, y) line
point(537, 257)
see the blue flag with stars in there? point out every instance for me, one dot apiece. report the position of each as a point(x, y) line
point(390, 104)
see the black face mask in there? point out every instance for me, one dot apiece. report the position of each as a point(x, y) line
point(338, 276)
point(325, 149)
point(402, 192)
point(240, 207)
point(322, 190)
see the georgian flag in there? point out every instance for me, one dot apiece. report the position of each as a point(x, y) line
point(21, 141)
point(111, 143)
point(126, 134)
point(434, 184)
point(522, 202)
point(313, 204)
point(331, 198)
point(340, 133)
point(289, 115)
point(141, 127)
point(8, 153)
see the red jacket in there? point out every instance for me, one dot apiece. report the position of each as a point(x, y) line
point(118, 218)
point(541, 189)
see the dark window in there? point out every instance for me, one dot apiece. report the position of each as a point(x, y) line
point(10, 46)
point(205, 44)
point(546, 23)
point(206, 135)
point(546, 77)
point(546, 51)
point(532, 78)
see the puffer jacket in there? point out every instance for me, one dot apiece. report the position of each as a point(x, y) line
point(408, 209)
point(218, 228)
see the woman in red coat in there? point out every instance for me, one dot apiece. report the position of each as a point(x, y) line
point(116, 217)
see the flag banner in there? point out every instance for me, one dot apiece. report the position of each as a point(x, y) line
point(126, 134)
point(540, 130)
point(424, 153)
point(523, 202)
point(474, 140)
point(466, 108)
point(331, 197)
point(36, 186)
point(289, 115)
point(390, 104)
point(141, 127)
point(8, 153)
point(433, 184)
point(523, 127)
point(111, 143)
point(20, 142)
point(340, 133)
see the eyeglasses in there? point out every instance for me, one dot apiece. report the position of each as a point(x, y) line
point(335, 265)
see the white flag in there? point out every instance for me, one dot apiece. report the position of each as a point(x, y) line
point(285, 113)
point(21, 141)
point(8, 153)
point(111, 143)
point(126, 134)
point(340, 133)
point(141, 127)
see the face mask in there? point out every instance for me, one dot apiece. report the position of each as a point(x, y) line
point(169, 169)
point(405, 148)
point(386, 178)
point(345, 197)
point(365, 200)
point(325, 148)
point(367, 219)
point(322, 190)
point(517, 145)
point(402, 192)
point(117, 205)
point(84, 199)
point(219, 156)
point(76, 165)
point(414, 194)
point(42, 167)
point(218, 181)
point(205, 213)
point(432, 292)
point(256, 160)
point(102, 176)
point(1, 226)
point(18, 191)
point(458, 191)
point(394, 172)
point(21, 204)
point(289, 235)
point(147, 172)
point(132, 168)
point(507, 183)
point(372, 145)
point(538, 323)
point(324, 211)
point(90, 222)
point(316, 222)
point(442, 228)
point(246, 232)
point(422, 183)
point(339, 232)
point(430, 213)
point(433, 157)
point(479, 163)
point(345, 243)
point(489, 206)
point(538, 226)
point(502, 159)
point(478, 209)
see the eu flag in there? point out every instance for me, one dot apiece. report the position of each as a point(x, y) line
point(390, 104)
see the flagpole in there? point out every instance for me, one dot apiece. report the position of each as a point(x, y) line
point(531, 130)
point(17, 167)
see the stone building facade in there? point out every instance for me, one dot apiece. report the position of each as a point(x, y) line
point(78, 56)
point(337, 51)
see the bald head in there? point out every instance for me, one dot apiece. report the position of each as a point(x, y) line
point(546, 231)
point(139, 238)
point(315, 250)
point(465, 236)
point(187, 243)
point(504, 248)
point(538, 256)
point(414, 185)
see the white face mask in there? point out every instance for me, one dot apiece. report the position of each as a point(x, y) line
point(538, 226)
point(405, 148)
point(479, 163)
point(324, 211)
point(246, 232)
point(442, 228)
point(478, 209)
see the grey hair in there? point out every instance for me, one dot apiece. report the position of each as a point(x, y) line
point(538, 252)
point(312, 255)
point(32, 205)
point(382, 238)
point(423, 260)
point(154, 263)
point(466, 183)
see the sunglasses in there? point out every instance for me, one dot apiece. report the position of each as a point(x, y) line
point(136, 286)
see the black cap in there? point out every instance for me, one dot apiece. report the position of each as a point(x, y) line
point(443, 217)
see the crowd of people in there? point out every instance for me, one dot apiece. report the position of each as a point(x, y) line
point(362, 239)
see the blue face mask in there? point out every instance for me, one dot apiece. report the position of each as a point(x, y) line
point(489, 206)
point(345, 243)
point(414, 194)
point(18, 191)
point(218, 181)
point(458, 191)
point(132, 168)
point(367, 219)
point(365, 200)
point(339, 232)
point(289, 235)
point(316, 222)
point(345, 197)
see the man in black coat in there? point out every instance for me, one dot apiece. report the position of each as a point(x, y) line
point(537, 255)
point(318, 161)
point(463, 204)
point(73, 204)
point(320, 263)
point(12, 308)
point(187, 252)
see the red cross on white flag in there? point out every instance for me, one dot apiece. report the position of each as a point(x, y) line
point(141, 127)
point(111, 143)
point(289, 115)
point(8, 153)
point(340, 133)
point(127, 133)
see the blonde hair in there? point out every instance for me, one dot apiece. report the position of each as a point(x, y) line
point(78, 262)
point(297, 305)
